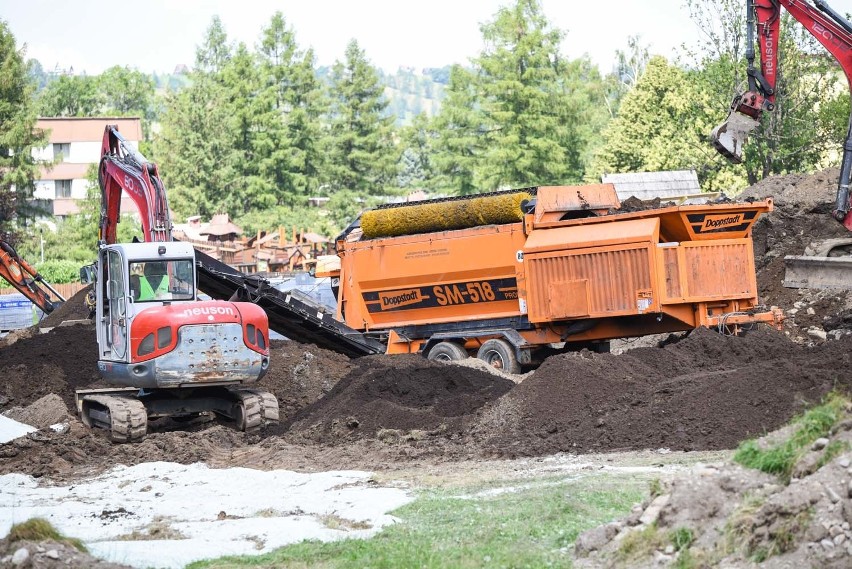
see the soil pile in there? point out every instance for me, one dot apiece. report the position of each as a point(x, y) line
point(72, 309)
point(396, 395)
point(725, 515)
point(705, 392)
point(49, 554)
point(802, 215)
point(300, 374)
point(64, 359)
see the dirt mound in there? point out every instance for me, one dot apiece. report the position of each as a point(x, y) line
point(60, 361)
point(299, 374)
point(802, 215)
point(705, 392)
point(401, 393)
point(726, 515)
point(49, 554)
point(72, 309)
point(49, 410)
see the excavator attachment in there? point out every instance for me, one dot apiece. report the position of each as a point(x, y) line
point(729, 137)
point(825, 265)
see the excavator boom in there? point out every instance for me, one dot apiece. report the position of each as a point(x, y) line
point(26, 279)
point(763, 17)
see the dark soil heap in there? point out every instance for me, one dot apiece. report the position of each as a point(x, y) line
point(64, 359)
point(802, 215)
point(705, 392)
point(72, 309)
point(400, 393)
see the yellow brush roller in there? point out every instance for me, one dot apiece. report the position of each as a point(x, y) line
point(441, 216)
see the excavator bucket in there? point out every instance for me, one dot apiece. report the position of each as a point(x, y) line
point(825, 265)
point(730, 136)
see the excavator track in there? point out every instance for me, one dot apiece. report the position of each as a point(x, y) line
point(125, 417)
point(254, 409)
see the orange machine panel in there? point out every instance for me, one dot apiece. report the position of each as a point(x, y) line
point(699, 271)
point(448, 276)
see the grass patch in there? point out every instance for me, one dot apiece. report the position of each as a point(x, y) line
point(681, 538)
point(780, 458)
point(159, 528)
point(640, 544)
point(333, 521)
point(449, 528)
point(39, 529)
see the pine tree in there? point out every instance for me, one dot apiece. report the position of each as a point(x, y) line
point(292, 104)
point(458, 145)
point(531, 110)
point(18, 136)
point(195, 148)
point(362, 157)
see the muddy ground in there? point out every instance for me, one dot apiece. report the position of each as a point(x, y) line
point(701, 391)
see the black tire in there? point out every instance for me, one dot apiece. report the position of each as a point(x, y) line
point(447, 352)
point(500, 354)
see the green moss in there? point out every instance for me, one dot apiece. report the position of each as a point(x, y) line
point(39, 529)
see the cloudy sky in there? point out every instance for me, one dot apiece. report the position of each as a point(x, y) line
point(156, 35)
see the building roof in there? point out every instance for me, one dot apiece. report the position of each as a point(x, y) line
point(221, 225)
point(650, 185)
point(89, 129)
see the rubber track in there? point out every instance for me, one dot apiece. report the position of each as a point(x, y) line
point(128, 417)
point(261, 408)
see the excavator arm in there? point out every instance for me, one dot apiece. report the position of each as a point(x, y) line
point(27, 280)
point(763, 16)
point(124, 169)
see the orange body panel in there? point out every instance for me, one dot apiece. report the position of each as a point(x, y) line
point(629, 274)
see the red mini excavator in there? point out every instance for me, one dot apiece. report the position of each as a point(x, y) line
point(175, 355)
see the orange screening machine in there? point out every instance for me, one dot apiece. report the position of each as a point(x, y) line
point(572, 272)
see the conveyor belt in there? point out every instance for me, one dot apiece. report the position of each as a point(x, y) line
point(291, 314)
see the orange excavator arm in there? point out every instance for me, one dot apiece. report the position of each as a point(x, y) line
point(833, 31)
point(27, 280)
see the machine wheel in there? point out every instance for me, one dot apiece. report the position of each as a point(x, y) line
point(124, 417)
point(447, 352)
point(499, 354)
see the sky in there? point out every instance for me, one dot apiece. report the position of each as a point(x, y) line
point(156, 35)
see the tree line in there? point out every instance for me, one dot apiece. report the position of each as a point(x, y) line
point(257, 131)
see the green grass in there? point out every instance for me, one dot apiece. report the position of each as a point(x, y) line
point(39, 529)
point(780, 458)
point(531, 527)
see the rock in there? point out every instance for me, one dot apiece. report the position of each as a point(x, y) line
point(839, 538)
point(832, 495)
point(53, 554)
point(61, 428)
point(827, 544)
point(843, 462)
point(835, 531)
point(669, 549)
point(20, 557)
point(652, 512)
point(817, 333)
point(849, 489)
point(595, 538)
point(820, 443)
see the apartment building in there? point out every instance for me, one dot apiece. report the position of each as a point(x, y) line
point(74, 144)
